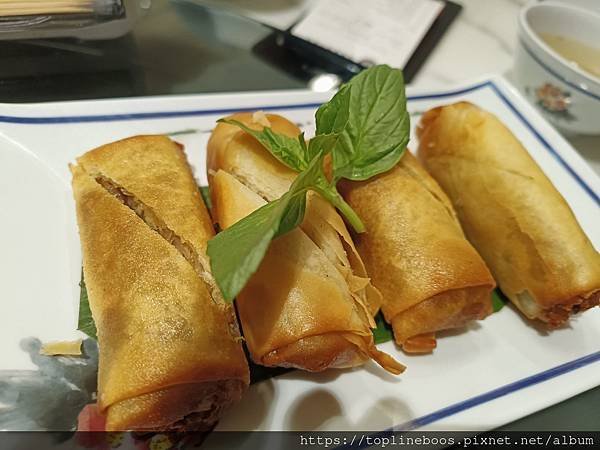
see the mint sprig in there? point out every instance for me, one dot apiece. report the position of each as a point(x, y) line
point(365, 127)
point(236, 252)
point(289, 151)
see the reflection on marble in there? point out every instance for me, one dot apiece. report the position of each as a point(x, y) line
point(480, 41)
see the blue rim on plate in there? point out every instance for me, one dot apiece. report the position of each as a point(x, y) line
point(205, 112)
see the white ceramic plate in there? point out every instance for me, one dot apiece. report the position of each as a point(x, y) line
point(479, 378)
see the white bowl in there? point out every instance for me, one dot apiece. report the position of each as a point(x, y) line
point(568, 96)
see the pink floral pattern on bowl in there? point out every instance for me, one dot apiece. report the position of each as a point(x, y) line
point(554, 100)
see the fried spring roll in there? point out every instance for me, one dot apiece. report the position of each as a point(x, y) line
point(430, 276)
point(511, 212)
point(170, 352)
point(308, 306)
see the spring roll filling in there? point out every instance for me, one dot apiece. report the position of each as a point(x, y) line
point(558, 314)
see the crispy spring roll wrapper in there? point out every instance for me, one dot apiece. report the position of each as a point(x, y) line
point(297, 310)
point(308, 304)
point(511, 212)
point(170, 352)
point(240, 155)
point(430, 276)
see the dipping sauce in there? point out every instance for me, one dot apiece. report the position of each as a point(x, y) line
point(586, 57)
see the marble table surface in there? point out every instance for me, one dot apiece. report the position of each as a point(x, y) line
point(481, 41)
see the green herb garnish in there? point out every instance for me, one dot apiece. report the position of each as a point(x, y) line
point(378, 127)
point(86, 321)
point(498, 300)
point(365, 128)
point(290, 151)
point(382, 331)
point(205, 193)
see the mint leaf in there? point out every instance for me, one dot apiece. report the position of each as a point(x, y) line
point(236, 252)
point(85, 322)
point(205, 193)
point(293, 214)
point(290, 151)
point(331, 117)
point(498, 300)
point(321, 143)
point(382, 332)
point(378, 125)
